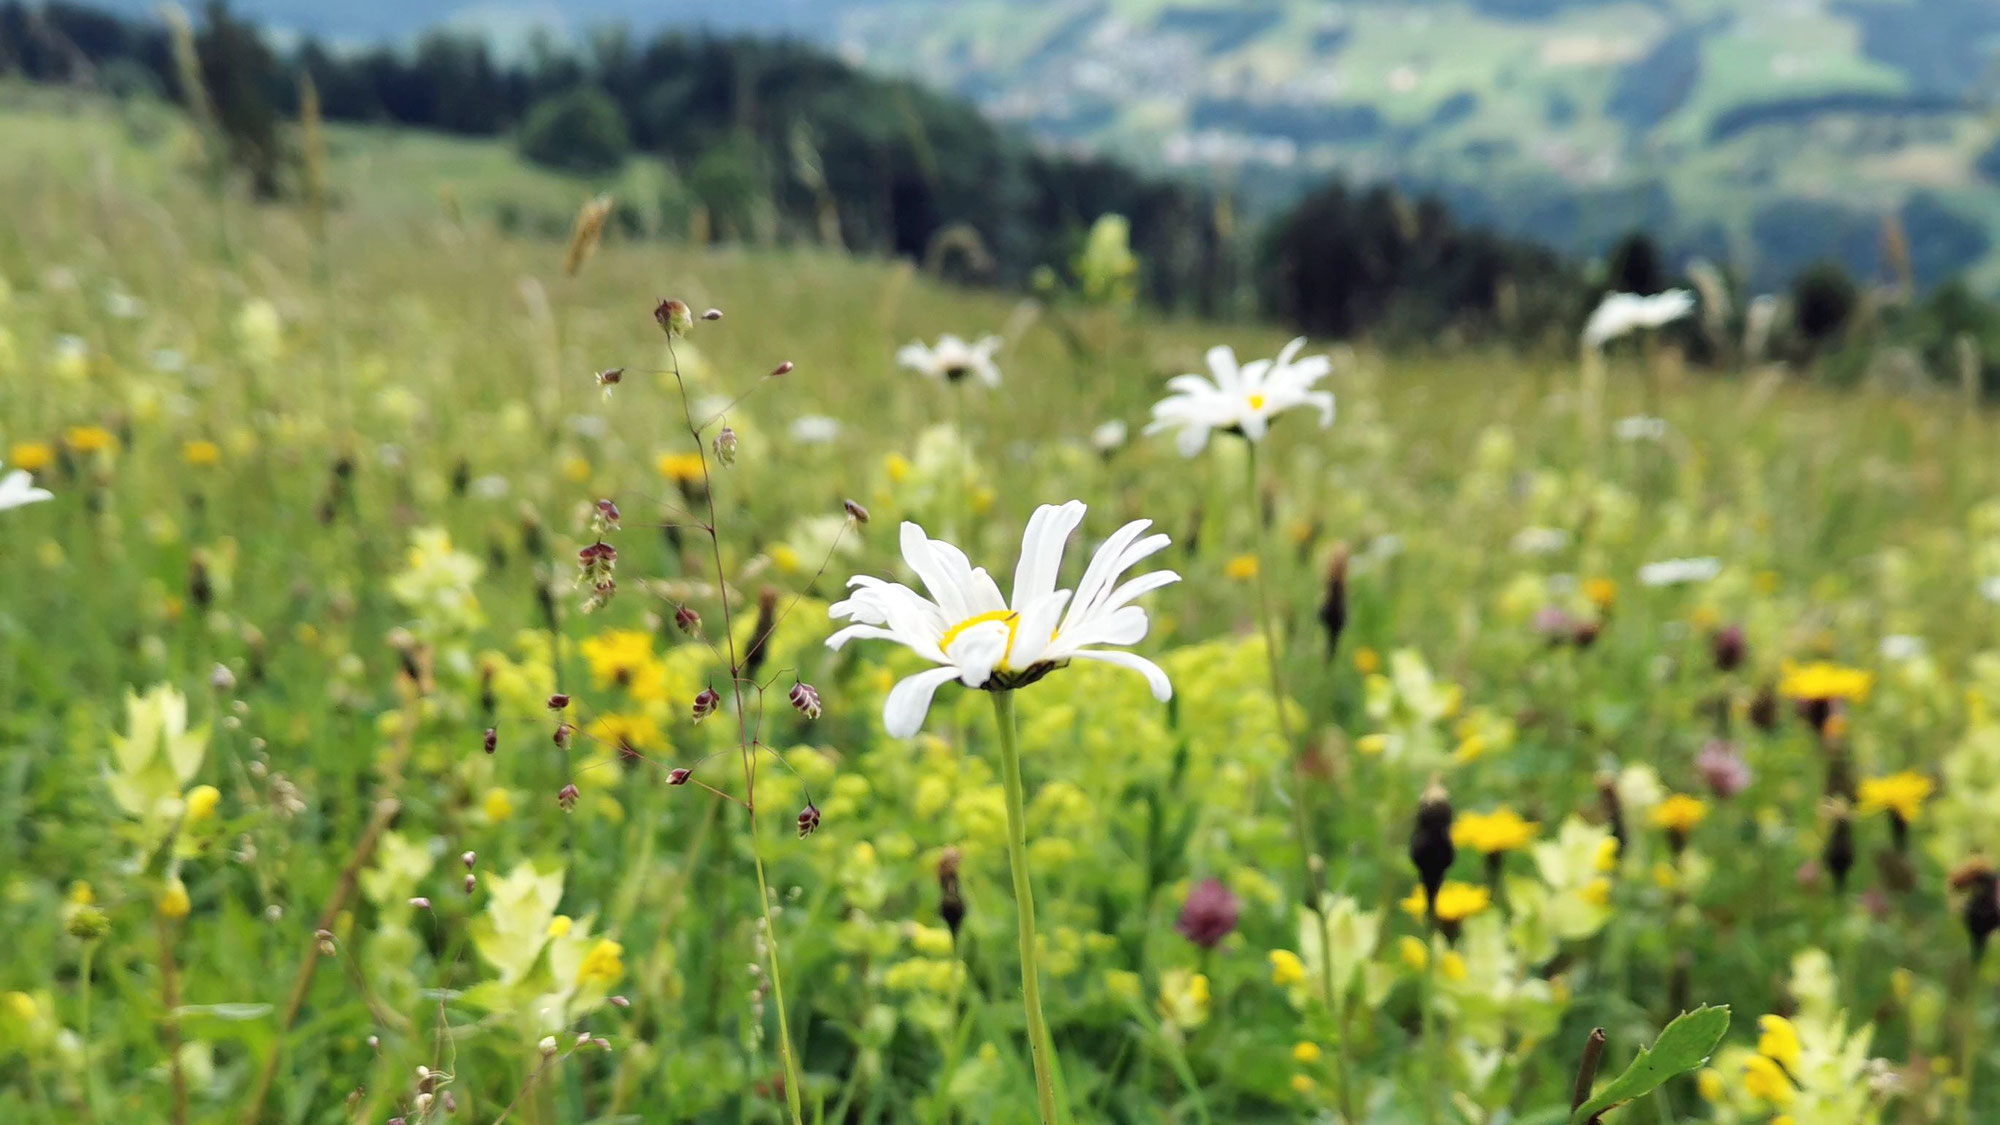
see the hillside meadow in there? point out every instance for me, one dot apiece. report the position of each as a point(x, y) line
point(1690, 680)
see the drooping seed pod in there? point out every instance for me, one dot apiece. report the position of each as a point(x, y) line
point(725, 445)
point(855, 511)
point(784, 368)
point(687, 620)
point(558, 702)
point(674, 318)
point(492, 740)
point(1431, 849)
point(805, 699)
point(679, 775)
point(808, 820)
point(712, 314)
point(705, 703)
point(566, 797)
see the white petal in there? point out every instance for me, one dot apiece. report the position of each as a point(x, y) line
point(862, 632)
point(915, 356)
point(1156, 678)
point(1222, 361)
point(910, 700)
point(936, 573)
point(1286, 353)
point(1323, 400)
point(978, 650)
point(1036, 628)
point(1137, 587)
point(1191, 440)
point(1042, 543)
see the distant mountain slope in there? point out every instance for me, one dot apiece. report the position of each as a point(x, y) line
point(1763, 133)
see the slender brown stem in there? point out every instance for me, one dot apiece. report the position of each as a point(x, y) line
point(170, 1024)
point(1586, 1068)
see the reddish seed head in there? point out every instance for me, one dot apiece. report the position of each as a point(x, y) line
point(784, 368)
point(706, 703)
point(805, 699)
point(566, 797)
point(679, 775)
point(674, 318)
point(618, 1002)
point(558, 701)
point(712, 314)
point(687, 619)
point(855, 511)
point(468, 859)
point(610, 377)
point(421, 903)
point(808, 820)
point(608, 512)
point(471, 882)
point(563, 731)
point(492, 740)
point(1209, 914)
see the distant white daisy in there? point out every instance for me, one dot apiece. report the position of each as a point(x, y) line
point(982, 640)
point(1241, 398)
point(1108, 436)
point(17, 489)
point(1639, 427)
point(814, 429)
point(1622, 313)
point(952, 359)
point(1898, 648)
point(1679, 572)
point(1540, 540)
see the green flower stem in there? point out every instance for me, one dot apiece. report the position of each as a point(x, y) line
point(1427, 1025)
point(1040, 1048)
point(83, 1029)
point(1300, 826)
point(787, 1056)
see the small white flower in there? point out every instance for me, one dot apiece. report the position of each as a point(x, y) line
point(1621, 313)
point(952, 359)
point(17, 489)
point(814, 429)
point(1241, 397)
point(1108, 436)
point(1900, 648)
point(1640, 427)
point(1540, 540)
point(1679, 572)
point(1990, 589)
point(980, 639)
point(489, 487)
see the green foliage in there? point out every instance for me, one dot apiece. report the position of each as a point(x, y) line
point(1684, 1045)
point(580, 130)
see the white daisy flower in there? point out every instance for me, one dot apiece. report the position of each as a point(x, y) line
point(1901, 648)
point(952, 359)
point(1679, 572)
point(1541, 540)
point(1241, 398)
point(1622, 313)
point(814, 429)
point(1108, 436)
point(984, 641)
point(1640, 427)
point(17, 489)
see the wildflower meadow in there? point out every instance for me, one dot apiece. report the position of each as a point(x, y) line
point(457, 675)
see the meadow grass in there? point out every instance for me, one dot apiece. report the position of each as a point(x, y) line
point(355, 475)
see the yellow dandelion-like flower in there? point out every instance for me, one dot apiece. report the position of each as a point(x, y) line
point(1456, 901)
point(1305, 1052)
point(603, 966)
point(1823, 681)
point(31, 456)
point(80, 894)
point(89, 439)
point(1286, 968)
point(1367, 661)
point(1242, 568)
point(1602, 592)
point(681, 468)
point(498, 804)
point(201, 454)
point(1710, 1085)
point(1679, 813)
point(1901, 793)
point(1502, 830)
point(201, 802)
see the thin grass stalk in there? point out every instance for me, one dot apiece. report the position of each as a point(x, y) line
point(1040, 1048)
point(1301, 828)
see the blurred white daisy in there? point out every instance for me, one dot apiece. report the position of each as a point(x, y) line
point(1108, 436)
point(1899, 648)
point(1640, 427)
point(1990, 589)
point(1679, 572)
point(980, 639)
point(1622, 313)
point(814, 429)
point(17, 489)
point(1241, 398)
point(952, 359)
point(1540, 540)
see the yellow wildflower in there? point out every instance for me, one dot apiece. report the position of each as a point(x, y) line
point(1184, 998)
point(80, 894)
point(1597, 892)
point(1607, 854)
point(1778, 1041)
point(1679, 813)
point(898, 468)
point(31, 456)
point(1709, 1084)
point(1413, 953)
point(1286, 968)
point(201, 454)
point(174, 904)
point(1901, 793)
point(602, 966)
point(786, 559)
point(1502, 830)
point(1601, 592)
point(1367, 661)
point(21, 1006)
point(201, 802)
point(88, 439)
point(559, 926)
point(1123, 984)
point(1305, 1052)
point(1456, 901)
point(1821, 680)
point(682, 468)
point(1765, 1080)
point(1242, 568)
point(617, 655)
point(575, 469)
point(1372, 744)
point(498, 804)
point(1303, 1085)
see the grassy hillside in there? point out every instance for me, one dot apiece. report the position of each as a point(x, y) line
point(329, 496)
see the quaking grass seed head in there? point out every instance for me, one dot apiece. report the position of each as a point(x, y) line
point(805, 699)
point(674, 318)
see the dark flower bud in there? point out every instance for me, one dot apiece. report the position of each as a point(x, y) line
point(951, 904)
point(468, 859)
point(679, 775)
point(566, 797)
point(1431, 849)
point(201, 591)
point(1981, 912)
point(855, 511)
point(687, 619)
point(558, 702)
point(1729, 648)
point(1838, 856)
point(1723, 768)
point(805, 700)
point(1333, 609)
point(706, 703)
point(808, 820)
point(1586, 634)
point(1209, 914)
point(471, 882)
point(492, 740)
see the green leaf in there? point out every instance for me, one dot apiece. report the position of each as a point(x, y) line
point(1682, 1046)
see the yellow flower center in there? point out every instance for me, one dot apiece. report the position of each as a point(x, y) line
point(1256, 402)
point(1006, 617)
